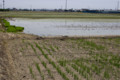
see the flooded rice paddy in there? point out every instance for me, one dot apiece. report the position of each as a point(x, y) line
point(69, 27)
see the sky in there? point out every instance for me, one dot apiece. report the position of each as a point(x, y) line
point(58, 4)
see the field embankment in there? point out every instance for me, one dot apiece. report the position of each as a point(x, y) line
point(37, 14)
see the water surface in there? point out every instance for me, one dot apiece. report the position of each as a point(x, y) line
point(69, 27)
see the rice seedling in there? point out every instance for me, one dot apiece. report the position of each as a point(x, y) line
point(48, 50)
point(94, 45)
point(76, 77)
point(33, 48)
point(62, 63)
point(39, 70)
point(51, 47)
point(50, 73)
point(89, 45)
point(95, 68)
point(31, 72)
point(35, 51)
point(44, 64)
point(106, 75)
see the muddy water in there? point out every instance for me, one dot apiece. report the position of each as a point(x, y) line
point(69, 27)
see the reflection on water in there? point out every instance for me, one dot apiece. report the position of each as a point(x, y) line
point(69, 27)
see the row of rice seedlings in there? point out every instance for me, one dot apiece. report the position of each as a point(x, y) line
point(48, 50)
point(43, 63)
point(39, 70)
point(35, 51)
point(72, 73)
point(80, 71)
point(105, 61)
point(115, 60)
point(102, 60)
point(48, 70)
point(109, 58)
point(63, 64)
point(92, 67)
point(31, 72)
point(96, 69)
point(89, 44)
point(33, 48)
point(53, 63)
point(85, 69)
point(111, 61)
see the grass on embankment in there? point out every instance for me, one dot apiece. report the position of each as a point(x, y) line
point(12, 28)
point(38, 14)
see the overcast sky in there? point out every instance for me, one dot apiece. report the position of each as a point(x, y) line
point(56, 4)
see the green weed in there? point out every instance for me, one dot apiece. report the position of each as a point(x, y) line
point(12, 28)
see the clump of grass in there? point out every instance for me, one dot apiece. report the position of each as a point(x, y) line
point(6, 23)
point(12, 28)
